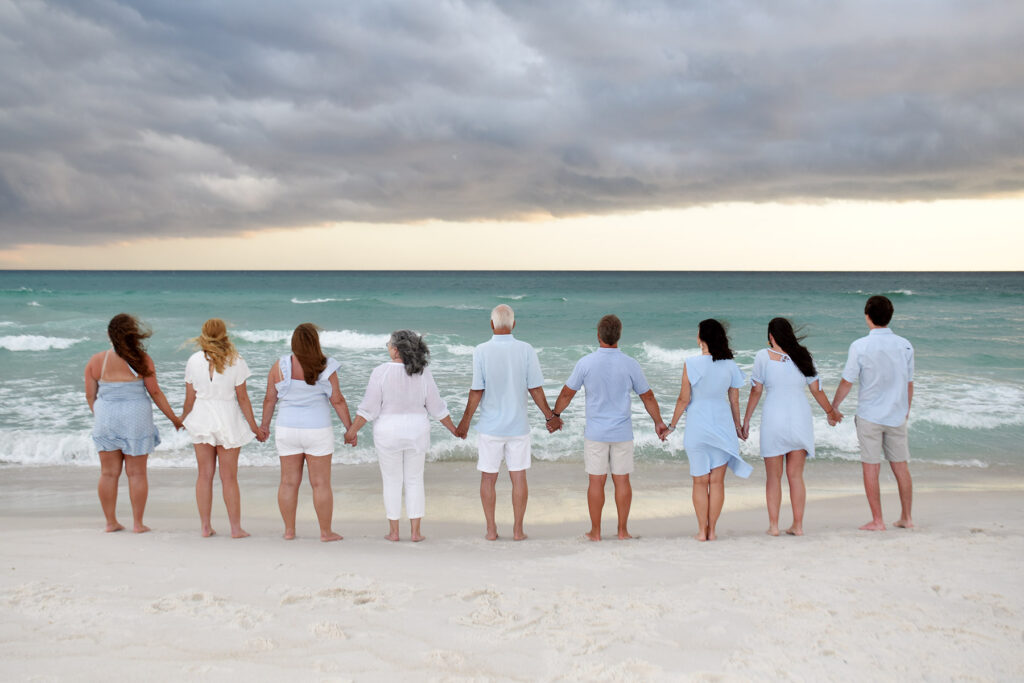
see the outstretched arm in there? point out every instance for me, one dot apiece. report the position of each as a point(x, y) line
point(734, 403)
point(682, 402)
point(153, 387)
point(91, 384)
point(554, 423)
point(755, 396)
point(190, 401)
point(651, 405)
point(564, 399)
point(270, 400)
point(841, 392)
point(833, 415)
point(472, 403)
point(339, 403)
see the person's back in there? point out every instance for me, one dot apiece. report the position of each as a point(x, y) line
point(609, 377)
point(504, 368)
point(711, 379)
point(304, 405)
point(882, 363)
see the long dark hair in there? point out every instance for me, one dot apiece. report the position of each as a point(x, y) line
point(126, 334)
point(781, 330)
point(411, 349)
point(306, 347)
point(712, 333)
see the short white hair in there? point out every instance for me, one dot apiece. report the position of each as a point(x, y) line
point(503, 317)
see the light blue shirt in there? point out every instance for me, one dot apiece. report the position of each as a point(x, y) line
point(505, 369)
point(883, 364)
point(608, 375)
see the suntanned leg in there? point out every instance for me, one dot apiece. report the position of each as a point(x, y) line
point(138, 489)
point(228, 458)
point(206, 459)
point(488, 498)
point(716, 499)
point(701, 503)
point(319, 469)
point(110, 472)
point(906, 487)
point(595, 503)
point(392, 530)
point(288, 491)
point(773, 492)
point(623, 499)
point(414, 530)
point(874, 495)
point(797, 490)
point(520, 494)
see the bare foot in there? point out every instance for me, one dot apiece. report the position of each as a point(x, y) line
point(239, 533)
point(592, 535)
point(712, 536)
point(795, 530)
point(773, 531)
point(391, 536)
point(140, 528)
point(492, 534)
point(116, 526)
point(519, 536)
point(873, 526)
point(330, 536)
point(624, 535)
point(208, 531)
point(416, 538)
point(904, 523)
point(701, 537)
point(289, 534)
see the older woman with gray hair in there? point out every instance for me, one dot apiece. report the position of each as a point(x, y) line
point(399, 397)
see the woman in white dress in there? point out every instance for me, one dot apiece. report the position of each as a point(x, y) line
point(787, 431)
point(400, 396)
point(219, 419)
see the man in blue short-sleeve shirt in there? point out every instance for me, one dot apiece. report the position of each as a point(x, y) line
point(505, 370)
point(609, 377)
point(883, 364)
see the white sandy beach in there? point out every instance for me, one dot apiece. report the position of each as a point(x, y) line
point(945, 601)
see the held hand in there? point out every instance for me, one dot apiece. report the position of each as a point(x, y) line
point(740, 434)
point(745, 431)
point(662, 430)
point(264, 434)
point(554, 424)
point(351, 436)
point(462, 430)
point(178, 424)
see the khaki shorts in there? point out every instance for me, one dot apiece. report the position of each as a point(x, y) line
point(601, 456)
point(876, 439)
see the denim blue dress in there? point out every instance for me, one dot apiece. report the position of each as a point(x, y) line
point(124, 417)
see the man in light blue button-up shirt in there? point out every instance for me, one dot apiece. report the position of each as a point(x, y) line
point(883, 365)
point(505, 370)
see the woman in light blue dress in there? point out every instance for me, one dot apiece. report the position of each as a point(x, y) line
point(120, 388)
point(710, 396)
point(787, 431)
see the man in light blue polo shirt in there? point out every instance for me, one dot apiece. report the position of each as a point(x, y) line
point(883, 364)
point(609, 376)
point(505, 370)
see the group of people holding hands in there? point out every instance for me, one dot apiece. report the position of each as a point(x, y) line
point(401, 397)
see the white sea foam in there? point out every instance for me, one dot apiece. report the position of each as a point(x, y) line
point(512, 297)
point(8, 323)
point(35, 304)
point(458, 349)
point(674, 357)
point(263, 336)
point(348, 339)
point(465, 307)
point(34, 342)
point(965, 405)
point(296, 300)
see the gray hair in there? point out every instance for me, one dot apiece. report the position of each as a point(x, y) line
point(411, 349)
point(503, 316)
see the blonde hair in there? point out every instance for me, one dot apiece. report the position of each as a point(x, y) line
point(216, 345)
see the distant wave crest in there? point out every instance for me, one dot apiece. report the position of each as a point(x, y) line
point(34, 342)
point(296, 300)
point(674, 357)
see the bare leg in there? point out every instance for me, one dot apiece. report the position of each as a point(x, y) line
point(906, 488)
point(110, 472)
point(595, 503)
point(773, 492)
point(488, 498)
point(138, 489)
point(797, 491)
point(414, 530)
point(874, 497)
point(392, 530)
point(288, 491)
point(319, 468)
point(716, 499)
point(623, 499)
point(520, 494)
point(701, 503)
point(206, 459)
point(228, 458)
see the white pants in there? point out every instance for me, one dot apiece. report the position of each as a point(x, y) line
point(398, 468)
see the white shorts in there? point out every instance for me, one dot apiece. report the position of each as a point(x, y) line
point(601, 456)
point(292, 440)
point(514, 450)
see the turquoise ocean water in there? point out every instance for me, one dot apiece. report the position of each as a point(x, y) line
point(967, 329)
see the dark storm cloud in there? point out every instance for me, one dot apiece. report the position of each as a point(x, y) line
point(122, 119)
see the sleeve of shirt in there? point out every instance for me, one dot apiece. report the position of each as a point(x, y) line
point(910, 362)
point(479, 381)
point(757, 374)
point(534, 376)
point(851, 373)
point(242, 371)
point(575, 381)
point(373, 399)
point(738, 379)
point(190, 370)
point(436, 407)
point(636, 375)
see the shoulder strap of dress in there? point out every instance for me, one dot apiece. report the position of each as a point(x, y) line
point(103, 368)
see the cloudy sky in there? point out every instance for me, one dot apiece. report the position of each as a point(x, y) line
point(567, 134)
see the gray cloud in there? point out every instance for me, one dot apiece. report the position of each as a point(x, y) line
point(152, 118)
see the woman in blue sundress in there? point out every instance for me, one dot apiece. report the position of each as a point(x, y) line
point(120, 388)
point(784, 370)
point(710, 397)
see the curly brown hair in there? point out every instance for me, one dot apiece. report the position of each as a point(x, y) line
point(126, 334)
point(306, 347)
